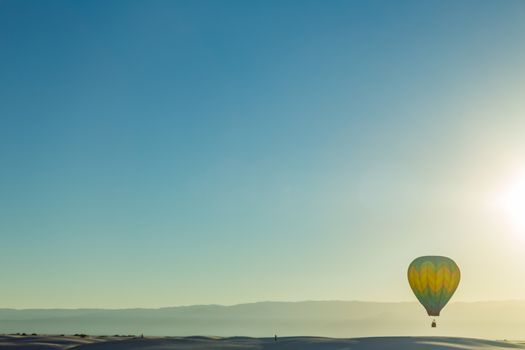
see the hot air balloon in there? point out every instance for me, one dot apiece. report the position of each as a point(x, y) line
point(433, 279)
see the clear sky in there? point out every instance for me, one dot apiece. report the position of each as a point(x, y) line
point(158, 153)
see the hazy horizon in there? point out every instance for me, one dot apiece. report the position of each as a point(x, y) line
point(488, 320)
point(266, 301)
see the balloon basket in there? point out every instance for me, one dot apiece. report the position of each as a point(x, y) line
point(434, 324)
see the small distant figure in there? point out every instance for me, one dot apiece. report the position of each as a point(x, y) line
point(275, 337)
point(142, 336)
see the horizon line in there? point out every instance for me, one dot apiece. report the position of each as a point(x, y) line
point(254, 302)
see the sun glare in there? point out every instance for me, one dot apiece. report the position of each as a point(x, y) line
point(512, 203)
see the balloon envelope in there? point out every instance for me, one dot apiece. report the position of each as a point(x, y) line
point(433, 279)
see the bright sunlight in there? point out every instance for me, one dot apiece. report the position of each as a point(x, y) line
point(512, 202)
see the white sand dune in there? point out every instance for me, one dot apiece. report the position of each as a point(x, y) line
point(239, 343)
point(47, 342)
point(306, 343)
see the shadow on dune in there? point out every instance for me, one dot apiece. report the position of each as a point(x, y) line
point(302, 343)
point(43, 342)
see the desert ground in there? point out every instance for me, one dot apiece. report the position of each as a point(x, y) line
point(239, 343)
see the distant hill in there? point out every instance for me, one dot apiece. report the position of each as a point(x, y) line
point(493, 319)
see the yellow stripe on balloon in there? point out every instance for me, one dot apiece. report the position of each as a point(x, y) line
point(433, 279)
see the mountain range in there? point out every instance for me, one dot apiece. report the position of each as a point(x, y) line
point(490, 319)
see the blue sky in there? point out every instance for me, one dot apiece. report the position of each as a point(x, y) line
point(161, 153)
